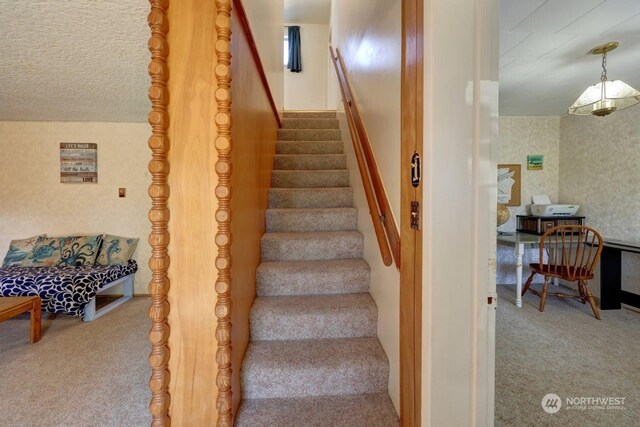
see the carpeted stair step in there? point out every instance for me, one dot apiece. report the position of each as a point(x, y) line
point(309, 147)
point(307, 123)
point(319, 219)
point(309, 178)
point(340, 276)
point(282, 369)
point(312, 246)
point(309, 161)
point(298, 198)
point(319, 411)
point(309, 134)
point(309, 114)
point(312, 317)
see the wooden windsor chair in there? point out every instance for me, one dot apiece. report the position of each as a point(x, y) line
point(573, 253)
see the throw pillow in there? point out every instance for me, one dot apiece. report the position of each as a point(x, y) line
point(19, 250)
point(77, 251)
point(116, 250)
point(45, 253)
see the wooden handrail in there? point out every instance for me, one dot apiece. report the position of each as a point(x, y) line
point(379, 208)
point(244, 21)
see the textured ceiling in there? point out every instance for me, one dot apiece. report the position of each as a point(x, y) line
point(74, 60)
point(87, 60)
point(544, 45)
point(307, 11)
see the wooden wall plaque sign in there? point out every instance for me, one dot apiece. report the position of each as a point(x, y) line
point(78, 163)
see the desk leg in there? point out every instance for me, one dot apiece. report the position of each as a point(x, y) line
point(36, 321)
point(519, 253)
point(610, 279)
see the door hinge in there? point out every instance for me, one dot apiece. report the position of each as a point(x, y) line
point(415, 215)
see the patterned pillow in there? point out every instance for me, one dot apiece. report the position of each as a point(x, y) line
point(78, 251)
point(116, 250)
point(19, 250)
point(45, 253)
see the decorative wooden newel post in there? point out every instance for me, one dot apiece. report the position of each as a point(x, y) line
point(223, 214)
point(159, 215)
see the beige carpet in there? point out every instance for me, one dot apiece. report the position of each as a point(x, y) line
point(80, 373)
point(565, 351)
point(314, 358)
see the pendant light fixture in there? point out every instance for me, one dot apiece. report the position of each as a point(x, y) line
point(605, 97)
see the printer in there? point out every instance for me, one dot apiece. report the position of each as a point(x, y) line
point(541, 206)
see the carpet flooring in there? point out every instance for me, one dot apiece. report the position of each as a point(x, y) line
point(79, 373)
point(314, 358)
point(565, 351)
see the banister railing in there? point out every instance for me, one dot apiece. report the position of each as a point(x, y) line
point(379, 208)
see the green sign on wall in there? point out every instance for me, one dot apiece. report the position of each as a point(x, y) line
point(535, 162)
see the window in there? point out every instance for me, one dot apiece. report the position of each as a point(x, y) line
point(286, 50)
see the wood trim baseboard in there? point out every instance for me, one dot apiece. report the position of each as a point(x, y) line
point(246, 27)
point(159, 214)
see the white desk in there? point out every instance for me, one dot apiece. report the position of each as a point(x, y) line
point(519, 241)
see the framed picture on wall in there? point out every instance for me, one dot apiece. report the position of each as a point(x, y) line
point(509, 184)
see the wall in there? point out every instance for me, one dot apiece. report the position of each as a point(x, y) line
point(599, 160)
point(460, 138)
point(254, 134)
point(307, 90)
point(358, 27)
point(266, 19)
point(518, 137)
point(33, 201)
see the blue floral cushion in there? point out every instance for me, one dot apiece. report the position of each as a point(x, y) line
point(116, 250)
point(19, 250)
point(45, 253)
point(77, 251)
point(70, 251)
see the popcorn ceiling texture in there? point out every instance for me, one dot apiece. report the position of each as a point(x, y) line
point(518, 137)
point(65, 60)
point(600, 158)
point(33, 201)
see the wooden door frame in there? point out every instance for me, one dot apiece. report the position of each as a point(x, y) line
point(412, 88)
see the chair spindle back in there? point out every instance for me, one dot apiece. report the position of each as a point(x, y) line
point(574, 251)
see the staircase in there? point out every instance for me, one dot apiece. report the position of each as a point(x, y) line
point(314, 358)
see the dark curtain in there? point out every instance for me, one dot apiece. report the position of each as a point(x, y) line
point(295, 58)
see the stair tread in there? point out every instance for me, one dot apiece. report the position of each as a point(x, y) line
point(310, 235)
point(312, 304)
point(309, 134)
point(311, 219)
point(310, 114)
point(341, 411)
point(302, 178)
point(310, 123)
point(309, 147)
point(327, 266)
point(313, 277)
point(313, 317)
point(312, 210)
point(311, 197)
point(325, 353)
